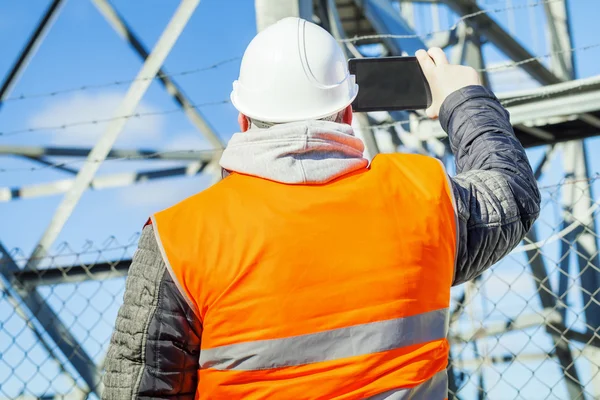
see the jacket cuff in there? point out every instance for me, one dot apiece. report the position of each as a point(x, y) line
point(458, 98)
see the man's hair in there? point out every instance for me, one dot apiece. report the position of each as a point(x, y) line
point(337, 117)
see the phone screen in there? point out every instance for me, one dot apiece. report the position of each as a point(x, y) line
point(389, 84)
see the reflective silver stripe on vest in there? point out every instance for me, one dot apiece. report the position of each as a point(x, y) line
point(329, 345)
point(435, 388)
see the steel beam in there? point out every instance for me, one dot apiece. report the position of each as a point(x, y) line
point(125, 154)
point(101, 149)
point(407, 11)
point(30, 48)
point(474, 58)
point(101, 182)
point(565, 262)
point(47, 318)
point(528, 96)
point(562, 67)
point(409, 2)
point(44, 161)
point(322, 13)
point(386, 20)
point(336, 27)
point(194, 115)
point(453, 385)
point(558, 28)
point(537, 132)
point(468, 51)
point(487, 27)
point(543, 111)
point(503, 40)
point(270, 11)
point(435, 16)
point(544, 162)
point(577, 199)
point(591, 340)
point(540, 274)
point(457, 55)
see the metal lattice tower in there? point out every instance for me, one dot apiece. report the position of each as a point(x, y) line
point(558, 114)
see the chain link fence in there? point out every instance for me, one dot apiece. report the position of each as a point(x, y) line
point(525, 329)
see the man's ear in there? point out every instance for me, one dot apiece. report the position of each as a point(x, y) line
point(244, 122)
point(347, 119)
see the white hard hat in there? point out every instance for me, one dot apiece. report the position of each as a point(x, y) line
point(293, 70)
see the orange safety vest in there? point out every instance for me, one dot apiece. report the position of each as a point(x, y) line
point(338, 290)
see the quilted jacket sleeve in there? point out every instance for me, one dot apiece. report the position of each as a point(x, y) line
point(155, 349)
point(496, 193)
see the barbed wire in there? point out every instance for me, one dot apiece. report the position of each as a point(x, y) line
point(226, 101)
point(452, 28)
point(538, 58)
point(566, 182)
point(118, 83)
point(104, 120)
point(157, 154)
point(232, 59)
point(216, 65)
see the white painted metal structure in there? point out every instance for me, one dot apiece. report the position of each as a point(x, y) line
point(559, 114)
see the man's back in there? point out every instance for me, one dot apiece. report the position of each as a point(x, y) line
point(294, 281)
point(302, 274)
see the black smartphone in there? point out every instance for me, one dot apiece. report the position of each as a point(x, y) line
point(389, 84)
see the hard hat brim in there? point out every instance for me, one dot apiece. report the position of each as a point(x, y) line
point(297, 114)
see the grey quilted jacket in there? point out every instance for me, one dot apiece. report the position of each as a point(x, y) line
point(154, 351)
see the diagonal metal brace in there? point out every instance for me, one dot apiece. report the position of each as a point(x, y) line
point(124, 30)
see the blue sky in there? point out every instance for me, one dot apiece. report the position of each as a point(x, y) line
point(82, 49)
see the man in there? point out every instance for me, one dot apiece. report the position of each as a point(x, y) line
point(306, 272)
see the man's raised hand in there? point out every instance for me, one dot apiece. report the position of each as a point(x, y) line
point(443, 77)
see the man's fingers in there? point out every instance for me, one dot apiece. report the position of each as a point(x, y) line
point(438, 55)
point(427, 64)
point(430, 112)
